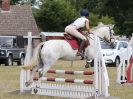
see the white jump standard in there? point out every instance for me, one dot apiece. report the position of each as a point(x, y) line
point(125, 71)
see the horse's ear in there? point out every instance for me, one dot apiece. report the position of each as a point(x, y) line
point(111, 26)
point(100, 24)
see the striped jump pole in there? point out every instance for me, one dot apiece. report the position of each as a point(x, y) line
point(71, 72)
point(64, 80)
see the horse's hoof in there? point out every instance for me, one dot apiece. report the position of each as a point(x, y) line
point(27, 84)
point(35, 91)
point(82, 58)
point(87, 65)
point(40, 74)
point(123, 82)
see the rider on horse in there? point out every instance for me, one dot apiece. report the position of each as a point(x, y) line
point(73, 28)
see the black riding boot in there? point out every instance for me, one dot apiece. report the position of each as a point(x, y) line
point(82, 48)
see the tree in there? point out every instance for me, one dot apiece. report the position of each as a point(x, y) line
point(14, 1)
point(30, 2)
point(95, 8)
point(122, 11)
point(54, 15)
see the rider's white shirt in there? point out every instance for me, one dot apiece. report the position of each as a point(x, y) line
point(80, 22)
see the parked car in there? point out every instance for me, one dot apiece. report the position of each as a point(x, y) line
point(121, 50)
point(12, 50)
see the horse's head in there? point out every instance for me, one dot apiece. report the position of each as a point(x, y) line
point(105, 32)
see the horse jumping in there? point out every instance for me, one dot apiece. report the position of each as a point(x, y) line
point(47, 53)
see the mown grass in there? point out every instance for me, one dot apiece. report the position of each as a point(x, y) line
point(9, 81)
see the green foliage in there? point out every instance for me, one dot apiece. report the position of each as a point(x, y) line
point(95, 19)
point(107, 20)
point(14, 1)
point(54, 15)
point(29, 2)
point(122, 11)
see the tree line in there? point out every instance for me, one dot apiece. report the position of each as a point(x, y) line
point(54, 15)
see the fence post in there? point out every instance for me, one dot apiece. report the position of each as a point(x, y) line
point(25, 75)
point(96, 68)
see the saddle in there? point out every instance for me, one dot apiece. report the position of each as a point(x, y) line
point(75, 42)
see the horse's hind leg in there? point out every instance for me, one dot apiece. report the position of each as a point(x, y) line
point(47, 65)
point(44, 71)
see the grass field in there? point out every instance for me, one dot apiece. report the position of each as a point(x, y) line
point(9, 81)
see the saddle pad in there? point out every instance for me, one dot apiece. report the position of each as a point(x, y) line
point(73, 43)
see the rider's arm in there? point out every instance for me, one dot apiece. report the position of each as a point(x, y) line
point(87, 26)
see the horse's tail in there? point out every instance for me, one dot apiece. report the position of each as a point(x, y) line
point(35, 59)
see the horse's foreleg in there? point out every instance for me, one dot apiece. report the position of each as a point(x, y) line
point(32, 74)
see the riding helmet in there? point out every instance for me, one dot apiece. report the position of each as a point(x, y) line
point(84, 12)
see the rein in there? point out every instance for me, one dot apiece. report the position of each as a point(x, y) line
point(110, 33)
point(106, 41)
point(87, 35)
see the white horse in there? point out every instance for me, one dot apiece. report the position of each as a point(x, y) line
point(47, 53)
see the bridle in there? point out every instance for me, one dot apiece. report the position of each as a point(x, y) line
point(103, 39)
point(111, 34)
